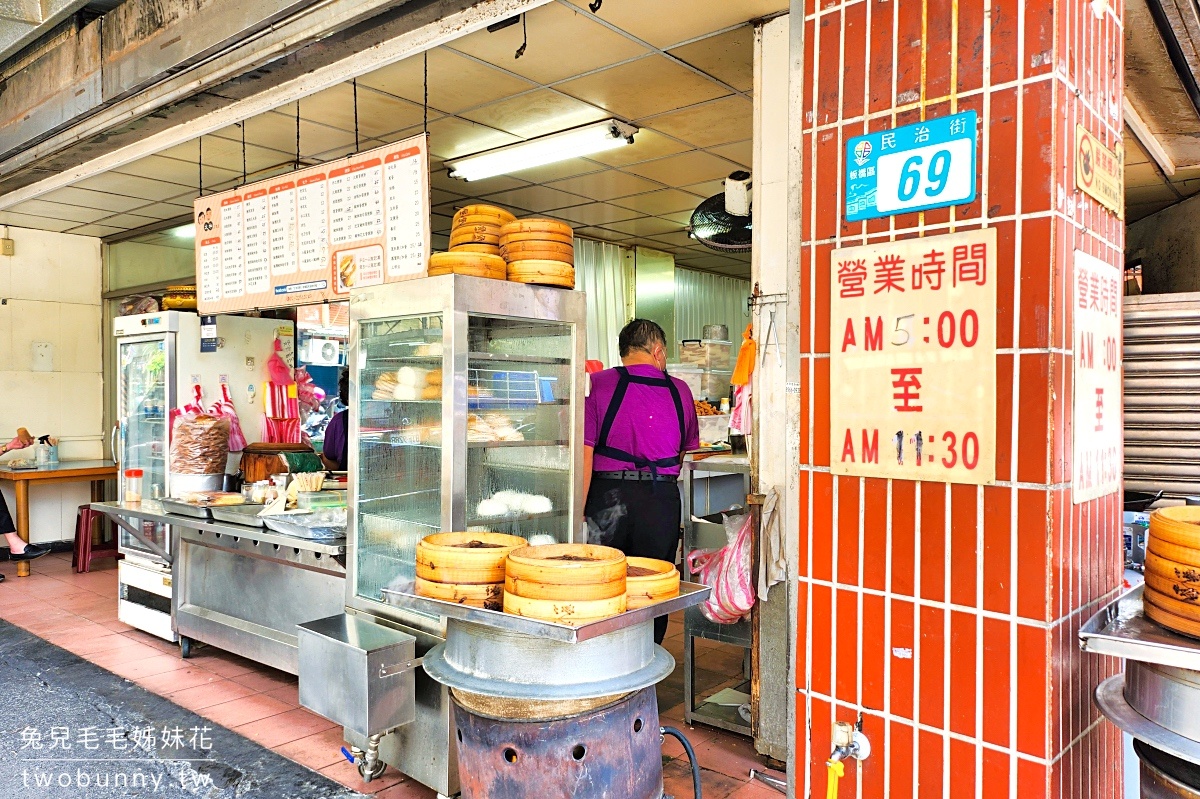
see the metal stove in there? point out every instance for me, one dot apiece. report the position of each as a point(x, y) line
point(547, 710)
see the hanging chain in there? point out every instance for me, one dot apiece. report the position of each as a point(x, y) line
point(297, 134)
point(354, 84)
point(200, 165)
point(243, 152)
point(425, 123)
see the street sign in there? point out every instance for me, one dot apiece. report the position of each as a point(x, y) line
point(912, 361)
point(1099, 171)
point(929, 164)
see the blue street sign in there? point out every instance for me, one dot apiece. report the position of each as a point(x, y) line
point(929, 164)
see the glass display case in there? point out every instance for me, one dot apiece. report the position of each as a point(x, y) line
point(467, 410)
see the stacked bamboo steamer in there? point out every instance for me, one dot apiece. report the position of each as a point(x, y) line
point(474, 244)
point(1172, 593)
point(571, 584)
point(465, 568)
point(540, 251)
point(648, 581)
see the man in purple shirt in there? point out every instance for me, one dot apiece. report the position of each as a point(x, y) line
point(638, 422)
point(335, 449)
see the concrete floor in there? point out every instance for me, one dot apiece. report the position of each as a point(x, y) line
point(78, 612)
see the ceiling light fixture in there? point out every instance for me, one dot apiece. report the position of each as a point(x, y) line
point(574, 143)
point(184, 232)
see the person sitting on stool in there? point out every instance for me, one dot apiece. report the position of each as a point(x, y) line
point(18, 549)
point(638, 422)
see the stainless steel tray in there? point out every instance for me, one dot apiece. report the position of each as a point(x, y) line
point(1122, 630)
point(238, 514)
point(689, 594)
point(184, 509)
point(281, 524)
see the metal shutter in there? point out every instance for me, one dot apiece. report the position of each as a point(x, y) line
point(1162, 393)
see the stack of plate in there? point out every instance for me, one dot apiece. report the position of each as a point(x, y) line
point(540, 251)
point(566, 583)
point(1172, 593)
point(465, 568)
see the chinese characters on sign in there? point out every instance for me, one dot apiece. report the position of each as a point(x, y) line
point(313, 235)
point(930, 164)
point(1096, 422)
point(912, 363)
point(1100, 172)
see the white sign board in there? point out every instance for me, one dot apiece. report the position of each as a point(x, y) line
point(1096, 423)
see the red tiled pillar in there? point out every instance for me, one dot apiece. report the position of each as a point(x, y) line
point(947, 615)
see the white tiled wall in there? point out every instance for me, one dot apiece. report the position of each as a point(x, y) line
point(50, 292)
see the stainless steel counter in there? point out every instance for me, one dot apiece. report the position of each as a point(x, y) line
point(244, 589)
point(1122, 630)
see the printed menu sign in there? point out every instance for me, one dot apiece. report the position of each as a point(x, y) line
point(1096, 422)
point(314, 235)
point(912, 362)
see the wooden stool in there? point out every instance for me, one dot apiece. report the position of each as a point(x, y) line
point(83, 554)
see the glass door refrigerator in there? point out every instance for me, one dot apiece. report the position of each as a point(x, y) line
point(466, 414)
point(158, 362)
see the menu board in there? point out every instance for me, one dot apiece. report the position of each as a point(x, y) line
point(314, 235)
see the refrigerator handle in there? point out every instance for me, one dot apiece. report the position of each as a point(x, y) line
point(112, 443)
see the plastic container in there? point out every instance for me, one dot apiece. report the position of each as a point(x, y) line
point(714, 429)
point(195, 483)
point(707, 354)
point(692, 375)
point(714, 385)
point(133, 485)
point(314, 500)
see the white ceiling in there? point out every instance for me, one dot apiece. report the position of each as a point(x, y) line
point(681, 70)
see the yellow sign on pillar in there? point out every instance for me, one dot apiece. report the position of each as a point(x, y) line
point(912, 370)
point(1100, 172)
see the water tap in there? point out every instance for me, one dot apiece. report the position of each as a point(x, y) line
point(849, 741)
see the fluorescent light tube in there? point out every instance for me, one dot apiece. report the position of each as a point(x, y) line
point(185, 232)
point(574, 143)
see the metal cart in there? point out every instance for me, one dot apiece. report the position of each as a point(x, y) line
point(711, 535)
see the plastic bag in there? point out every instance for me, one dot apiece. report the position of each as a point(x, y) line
point(728, 572)
point(224, 409)
point(747, 355)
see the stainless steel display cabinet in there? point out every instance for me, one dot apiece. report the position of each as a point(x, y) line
point(467, 414)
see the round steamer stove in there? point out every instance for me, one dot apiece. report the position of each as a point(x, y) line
point(552, 711)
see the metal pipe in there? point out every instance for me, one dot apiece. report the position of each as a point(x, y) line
point(691, 753)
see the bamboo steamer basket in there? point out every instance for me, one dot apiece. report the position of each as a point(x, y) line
point(443, 558)
point(509, 239)
point(1189, 594)
point(1158, 608)
point(538, 255)
point(486, 249)
point(476, 264)
point(472, 236)
point(481, 210)
point(489, 596)
point(534, 225)
point(570, 611)
point(538, 245)
point(1178, 525)
point(542, 273)
point(1173, 552)
point(567, 564)
point(534, 589)
point(1171, 570)
point(643, 590)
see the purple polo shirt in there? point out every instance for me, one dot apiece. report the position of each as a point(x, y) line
point(646, 424)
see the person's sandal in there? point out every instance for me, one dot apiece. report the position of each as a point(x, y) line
point(32, 552)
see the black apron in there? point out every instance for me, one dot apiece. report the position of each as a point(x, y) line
point(639, 463)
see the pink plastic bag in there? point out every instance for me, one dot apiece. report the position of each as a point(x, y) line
point(224, 409)
point(727, 571)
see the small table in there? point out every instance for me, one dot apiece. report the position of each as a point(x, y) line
point(95, 472)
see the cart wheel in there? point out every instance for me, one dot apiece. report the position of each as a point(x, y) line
point(185, 647)
point(371, 774)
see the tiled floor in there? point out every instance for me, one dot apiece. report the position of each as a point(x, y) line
point(79, 613)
